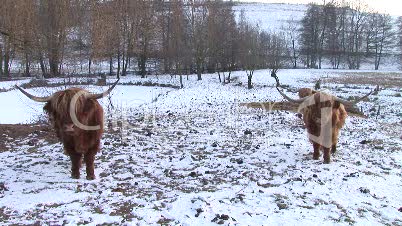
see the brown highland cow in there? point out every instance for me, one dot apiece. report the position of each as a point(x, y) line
point(77, 118)
point(323, 115)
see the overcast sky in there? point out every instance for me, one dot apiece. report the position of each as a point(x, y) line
point(393, 7)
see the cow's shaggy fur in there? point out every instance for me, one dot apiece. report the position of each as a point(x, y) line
point(305, 92)
point(77, 142)
point(316, 121)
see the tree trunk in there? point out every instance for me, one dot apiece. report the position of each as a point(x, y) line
point(42, 65)
point(199, 71)
point(181, 81)
point(118, 64)
point(125, 65)
point(111, 66)
point(378, 57)
point(229, 76)
point(54, 67)
point(1, 60)
point(319, 61)
point(142, 65)
point(249, 78)
point(223, 78)
point(53, 58)
point(294, 55)
point(6, 62)
point(89, 65)
point(27, 63)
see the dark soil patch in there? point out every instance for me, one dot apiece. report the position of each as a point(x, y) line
point(31, 132)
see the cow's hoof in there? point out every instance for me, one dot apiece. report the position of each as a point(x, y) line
point(92, 177)
point(316, 157)
point(75, 176)
point(327, 161)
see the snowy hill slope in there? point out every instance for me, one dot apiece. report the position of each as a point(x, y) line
point(271, 17)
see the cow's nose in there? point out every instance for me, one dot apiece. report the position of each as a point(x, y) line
point(69, 127)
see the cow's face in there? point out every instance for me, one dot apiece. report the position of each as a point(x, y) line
point(305, 92)
point(59, 109)
point(321, 109)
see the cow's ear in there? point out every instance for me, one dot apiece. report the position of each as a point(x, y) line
point(336, 104)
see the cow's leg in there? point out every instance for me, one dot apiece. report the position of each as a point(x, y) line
point(327, 155)
point(335, 133)
point(316, 154)
point(89, 162)
point(76, 159)
point(333, 149)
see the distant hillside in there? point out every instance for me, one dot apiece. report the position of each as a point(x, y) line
point(271, 16)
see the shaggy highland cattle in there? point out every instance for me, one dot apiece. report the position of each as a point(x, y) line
point(77, 118)
point(323, 115)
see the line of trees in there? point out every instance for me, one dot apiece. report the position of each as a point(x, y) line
point(182, 37)
point(345, 33)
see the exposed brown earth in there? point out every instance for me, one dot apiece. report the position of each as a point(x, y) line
point(31, 132)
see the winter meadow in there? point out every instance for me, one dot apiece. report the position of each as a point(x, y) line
point(134, 112)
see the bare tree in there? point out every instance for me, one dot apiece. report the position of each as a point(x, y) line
point(275, 50)
point(380, 36)
point(356, 26)
point(249, 51)
point(197, 15)
point(105, 33)
point(334, 43)
point(222, 35)
point(310, 36)
point(9, 27)
point(165, 22)
point(179, 46)
point(292, 34)
point(54, 22)
point(146, 33)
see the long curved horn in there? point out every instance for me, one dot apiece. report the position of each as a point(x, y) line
point(299, 101)
point(362, 98)
point(345, 102)
point(101, 95)
point(32, 97)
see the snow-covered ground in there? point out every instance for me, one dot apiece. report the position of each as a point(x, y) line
point(194, 156)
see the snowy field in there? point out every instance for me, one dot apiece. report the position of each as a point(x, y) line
point(194, 156)
point(17, 108)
